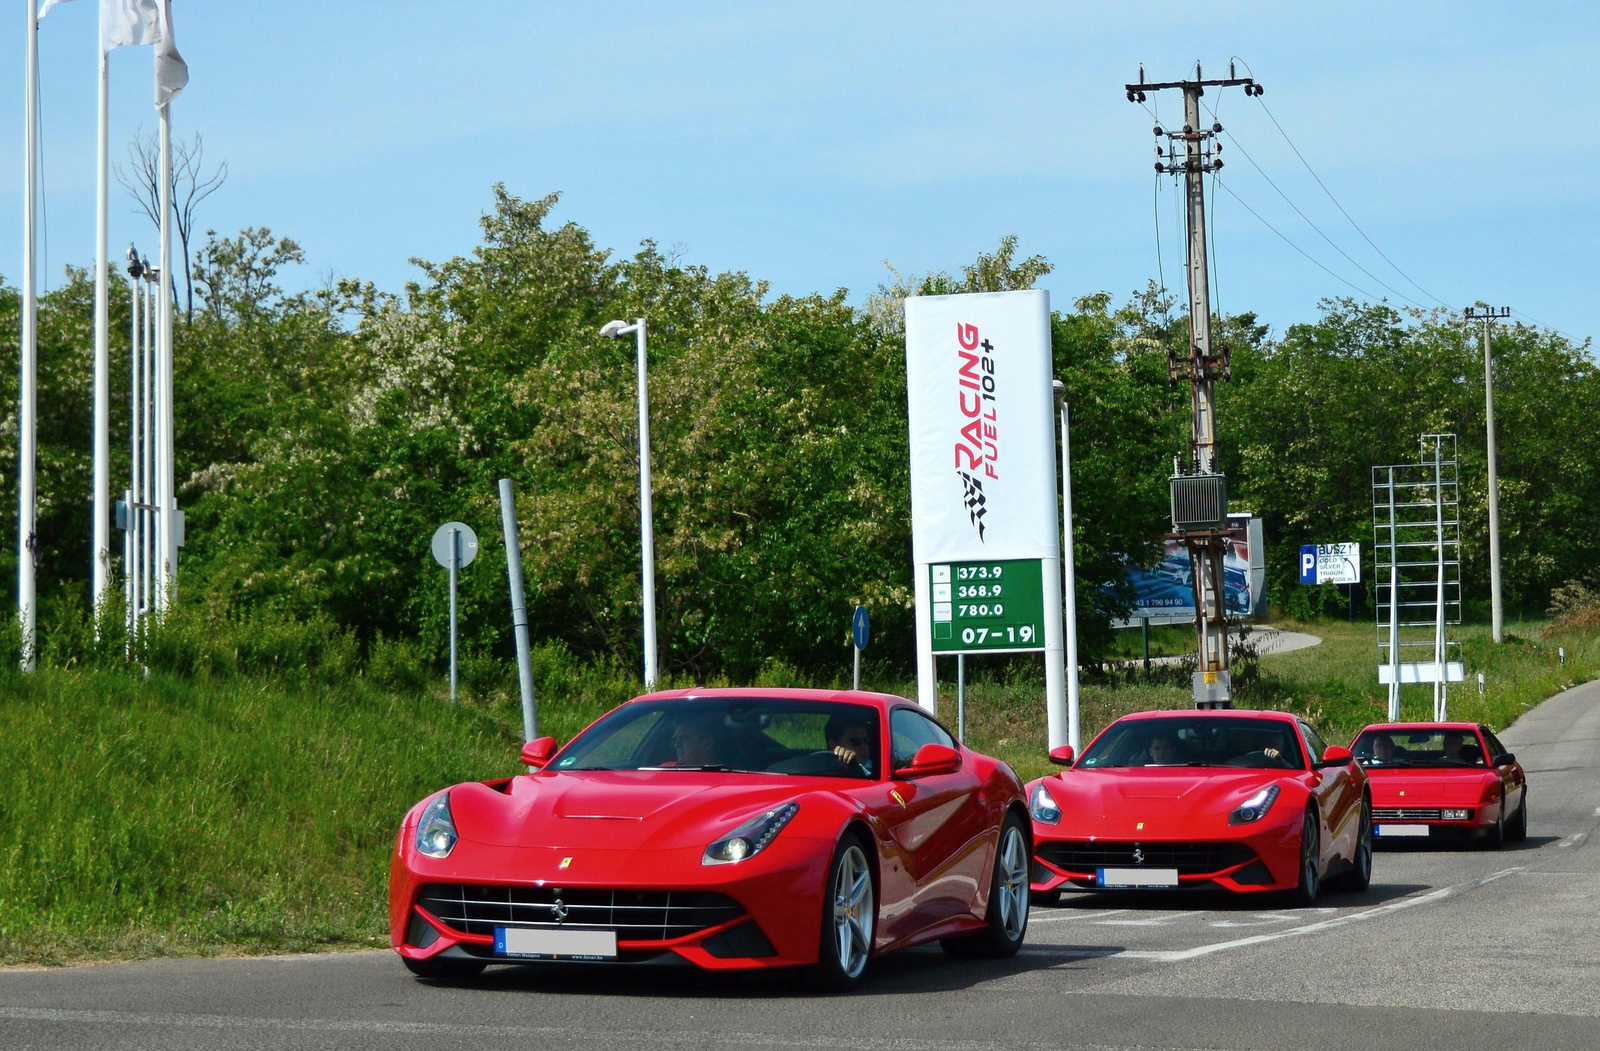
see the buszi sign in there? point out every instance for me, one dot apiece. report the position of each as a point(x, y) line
point(1330, 563)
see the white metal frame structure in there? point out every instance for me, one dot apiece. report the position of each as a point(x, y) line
point(1416, 527)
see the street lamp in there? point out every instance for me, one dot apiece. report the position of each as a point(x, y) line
point(647, 543)
point(1069, 573)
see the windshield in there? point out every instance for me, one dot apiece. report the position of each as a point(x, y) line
point(1190, 741)
point(735, 734)
point(1418, 748)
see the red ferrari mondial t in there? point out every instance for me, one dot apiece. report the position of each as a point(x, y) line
point(724, 828)
point(1443, 781)
point(1246, 801)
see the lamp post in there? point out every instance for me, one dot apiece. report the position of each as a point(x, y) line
point(647, 543)
point(1069, 573)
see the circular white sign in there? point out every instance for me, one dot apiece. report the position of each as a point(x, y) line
point(463, 535)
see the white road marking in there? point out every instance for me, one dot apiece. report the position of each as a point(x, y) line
point(1597, 811)
point(1263, 919)
point(1573, 840)
point(1152, 921)
point(1034, 916)
point(1178, 955)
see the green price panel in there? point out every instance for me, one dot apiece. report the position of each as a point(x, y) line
point(987, 607)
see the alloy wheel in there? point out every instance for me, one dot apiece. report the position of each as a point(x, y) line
point(1013, 883)
point(852, 911)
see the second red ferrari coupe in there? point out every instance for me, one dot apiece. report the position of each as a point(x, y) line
point(1246, 801)
point(1443, 781)
point(739, 828)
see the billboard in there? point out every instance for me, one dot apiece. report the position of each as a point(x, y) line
point(983, 468)
point(985, 526)
point(1164, 593)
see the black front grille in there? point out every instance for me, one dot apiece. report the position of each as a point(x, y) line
point(1406, 814)
point(1190, 859)
point(636, 915)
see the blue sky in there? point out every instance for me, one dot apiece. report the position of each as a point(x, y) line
point(809, 143)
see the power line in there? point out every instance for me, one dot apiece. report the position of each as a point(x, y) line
point(1334, 199)
point(1314, 226)
point(1291, 244)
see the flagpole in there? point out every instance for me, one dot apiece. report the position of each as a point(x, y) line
point(27, 541)
point(167, 557)
point(102, 356)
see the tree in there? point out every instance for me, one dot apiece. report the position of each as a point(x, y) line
point(190, 185)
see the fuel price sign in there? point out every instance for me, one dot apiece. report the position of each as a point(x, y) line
point(988, 607)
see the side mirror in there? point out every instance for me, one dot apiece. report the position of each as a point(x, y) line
point(1062, 756)
point(1504, 759)
point(537, 752)
point(932, 759)
point(1336, 756)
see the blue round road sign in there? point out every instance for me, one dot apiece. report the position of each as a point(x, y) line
point(861, 626)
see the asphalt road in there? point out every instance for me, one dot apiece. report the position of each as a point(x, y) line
point(1448, 949)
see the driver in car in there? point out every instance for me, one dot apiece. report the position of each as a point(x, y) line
point(1383, 749)
point(1163, 750)
point(1452, 747)
point(849, 738)
point(695, 740)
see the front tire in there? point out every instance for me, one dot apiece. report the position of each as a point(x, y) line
point(1497, 835)
point(1518, 830)
point(1359, 875)
point(1006, 921)
point(447, 970)
point(1305, 894)
point(849, 918)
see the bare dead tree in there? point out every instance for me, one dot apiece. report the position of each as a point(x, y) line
point(190, 185)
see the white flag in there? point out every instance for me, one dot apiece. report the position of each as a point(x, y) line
point(44, 8)
point(125, 23)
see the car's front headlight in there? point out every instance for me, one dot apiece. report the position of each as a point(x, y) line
point(1043, 807)
point(436, 832)
point(1255, 808)
point(750, 838)
point(1456, 815)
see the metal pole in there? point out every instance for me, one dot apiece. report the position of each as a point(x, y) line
point(101, 531)
point(455, 562)
point(961, 698)
point(1144, 633)
point(131, 540)
point(1440, 689)
point(1497, 608)
point(647, 540)
point(855, 678)
point(519, 609)
point(1069, 597)
point(27, 424)
point(167, 557)
point(147, 442)
point(1394, 611)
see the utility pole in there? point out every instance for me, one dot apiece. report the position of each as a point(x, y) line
point(1199, 489)
point(1489, 315)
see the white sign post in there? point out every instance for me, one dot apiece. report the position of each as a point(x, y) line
point(454, 547)
point(983, 478)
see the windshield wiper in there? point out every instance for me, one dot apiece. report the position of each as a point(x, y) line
point(719, 768)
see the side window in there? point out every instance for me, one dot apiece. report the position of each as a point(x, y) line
point(1495, 747)
point(911, 730)
point(1317, 745)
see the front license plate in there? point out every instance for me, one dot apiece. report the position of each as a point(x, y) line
point(1136, 877)
point(555, 944)
point(1402, 830)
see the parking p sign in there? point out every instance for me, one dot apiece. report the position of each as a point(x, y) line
point(1330, 563)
